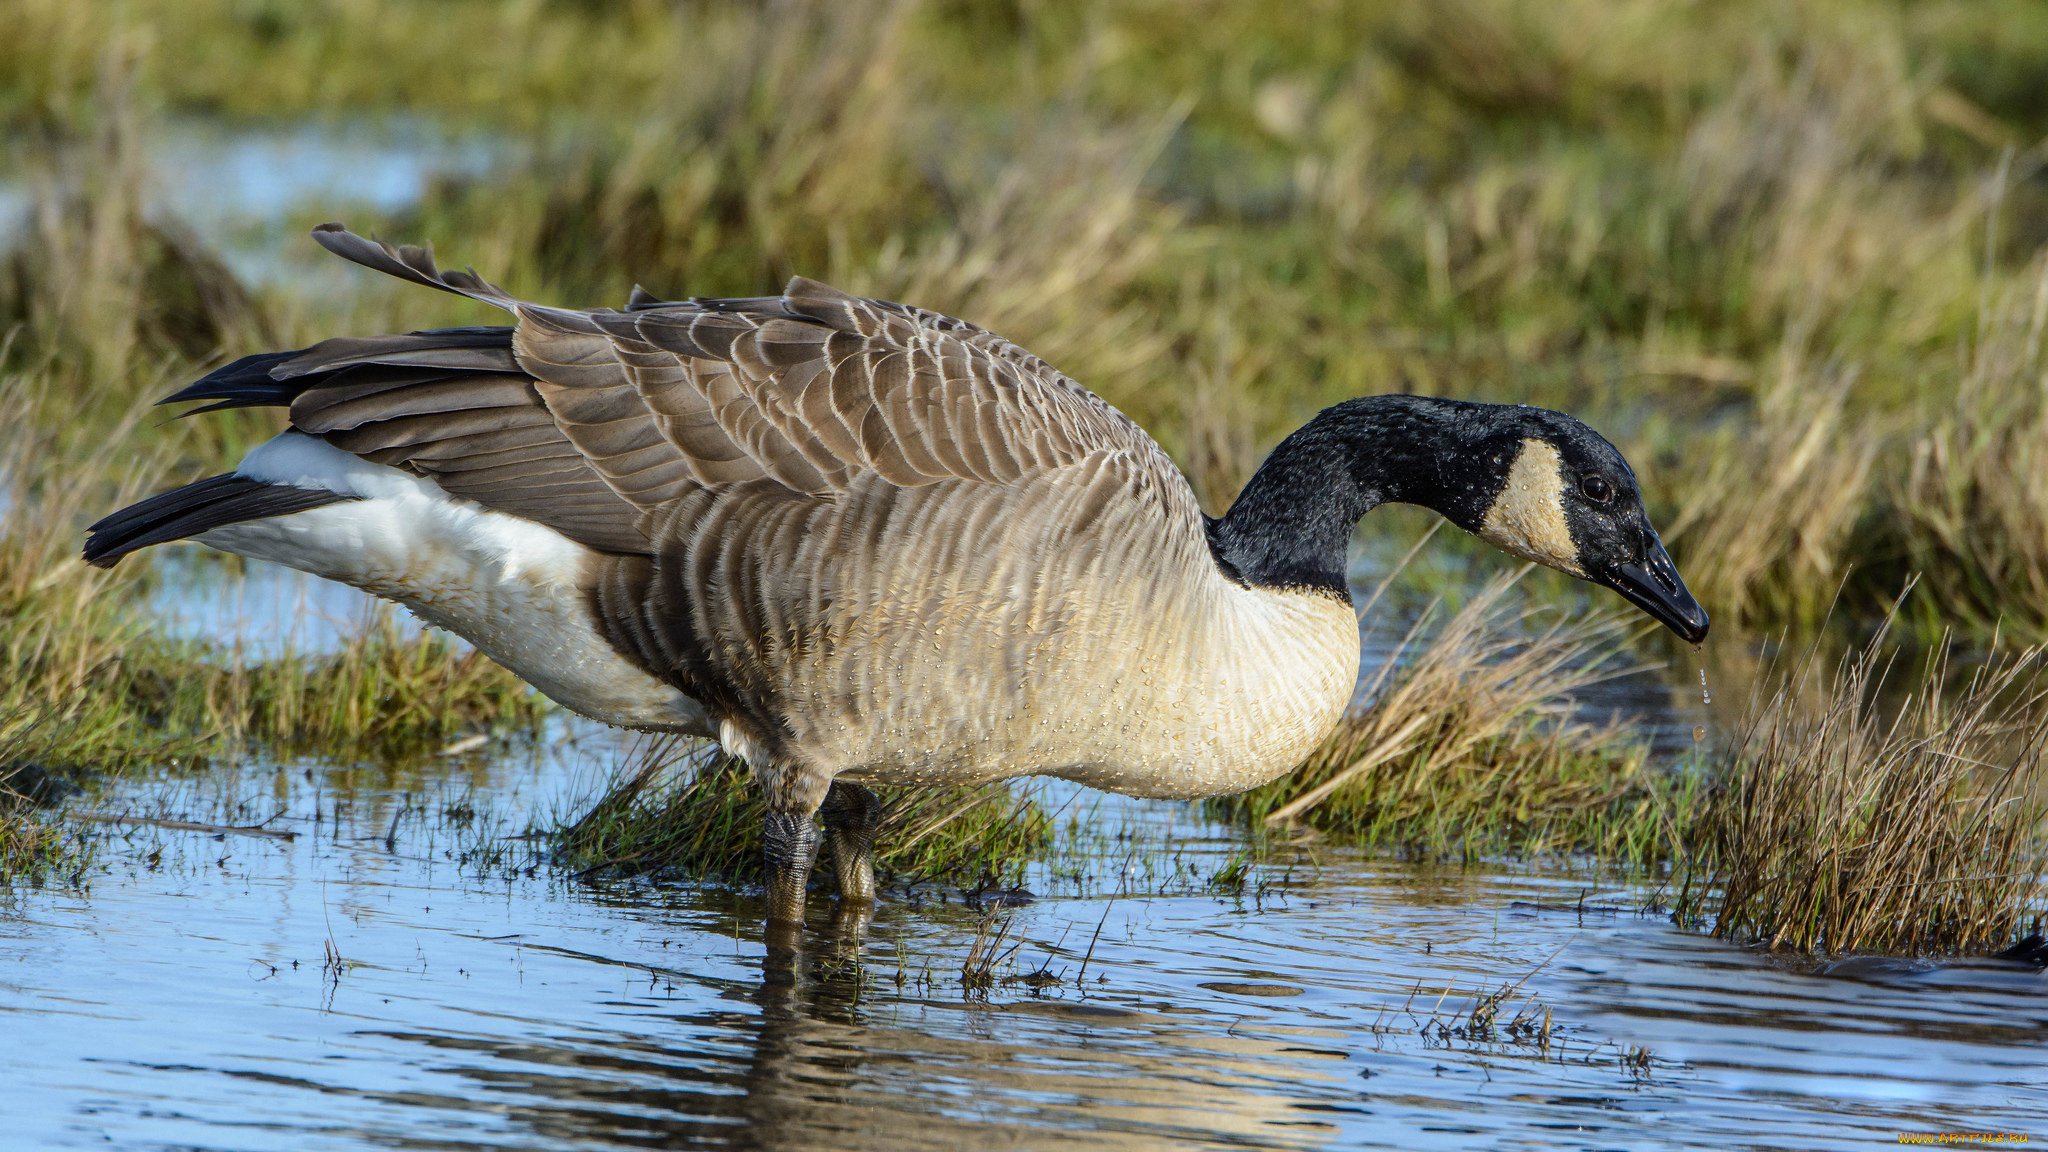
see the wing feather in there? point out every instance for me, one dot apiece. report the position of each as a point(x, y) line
point(811, 391)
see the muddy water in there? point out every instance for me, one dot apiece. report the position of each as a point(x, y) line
point(191, 1000)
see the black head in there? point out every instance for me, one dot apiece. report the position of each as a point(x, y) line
point(1543, 486)
point(1536, 483)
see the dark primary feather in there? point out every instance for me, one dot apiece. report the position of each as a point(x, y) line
point(455, 349)
point(211, 503)
point(275, 378)
point(245, 383)
point(450, 404)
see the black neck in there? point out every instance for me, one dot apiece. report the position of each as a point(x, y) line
point(1290, 526)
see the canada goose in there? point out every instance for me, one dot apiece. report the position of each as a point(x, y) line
point(862, 543)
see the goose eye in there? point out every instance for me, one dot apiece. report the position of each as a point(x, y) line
point(1597, 489)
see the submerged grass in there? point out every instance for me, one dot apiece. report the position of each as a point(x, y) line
point(35, 846)
point(689, 811)
point(1845, 824)
point(31, 842)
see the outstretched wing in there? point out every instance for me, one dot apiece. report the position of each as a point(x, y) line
point(810, 390)
point(769, 476)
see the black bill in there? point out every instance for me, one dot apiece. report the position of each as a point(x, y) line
point(1655, 587)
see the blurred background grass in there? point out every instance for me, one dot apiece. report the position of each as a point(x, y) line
point(1787, 255)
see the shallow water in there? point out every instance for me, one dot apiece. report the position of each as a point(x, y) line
point(186, 1001)
point(266, 612)
point(473, 998)
point(244, 190)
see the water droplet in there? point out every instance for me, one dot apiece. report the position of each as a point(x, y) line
point(1699, 733)
point(1706, 697)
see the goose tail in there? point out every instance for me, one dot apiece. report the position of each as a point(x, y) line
point(197, 507)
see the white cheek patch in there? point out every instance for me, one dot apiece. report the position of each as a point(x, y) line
point(1527, 518)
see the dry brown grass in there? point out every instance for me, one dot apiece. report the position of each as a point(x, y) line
point(1766, 522)
point(1972, 510)
point(93, 280)
point(812, 141)
point(1844, 823)
point(65, 628)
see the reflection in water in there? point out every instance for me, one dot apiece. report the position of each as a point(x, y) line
point(185, 1004)
point(820, 1063)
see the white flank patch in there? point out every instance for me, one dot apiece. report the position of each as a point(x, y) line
point(511, 587)
point(737, 743)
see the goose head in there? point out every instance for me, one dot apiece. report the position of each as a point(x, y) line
point(1547, 488)
point(1532, 482)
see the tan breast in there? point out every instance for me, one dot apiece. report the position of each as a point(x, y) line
point(1008, 644)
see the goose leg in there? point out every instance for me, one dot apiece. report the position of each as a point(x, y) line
point(851, 815)
point(792, 844)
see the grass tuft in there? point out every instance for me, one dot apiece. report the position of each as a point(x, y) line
point(1846, 824)
point(383, 694)
point(689, 811)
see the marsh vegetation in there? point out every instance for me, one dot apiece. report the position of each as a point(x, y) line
point(1847, 819)
point(1790, 260)
point(686, 810)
